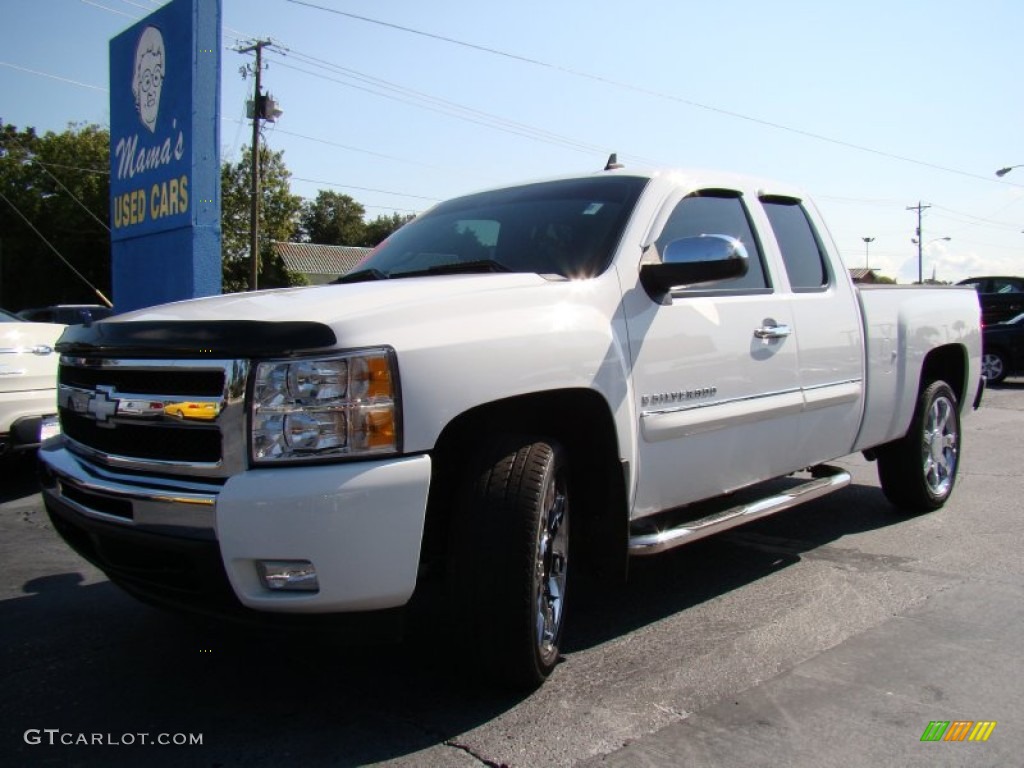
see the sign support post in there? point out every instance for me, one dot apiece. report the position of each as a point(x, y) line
point(165, 156)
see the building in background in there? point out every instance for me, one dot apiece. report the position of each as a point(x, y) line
point(320, 263)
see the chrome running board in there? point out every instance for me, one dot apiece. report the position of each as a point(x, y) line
point(827, 479)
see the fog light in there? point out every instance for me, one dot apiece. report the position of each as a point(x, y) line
point(288, 575)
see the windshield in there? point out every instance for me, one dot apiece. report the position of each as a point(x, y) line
point(567, 228)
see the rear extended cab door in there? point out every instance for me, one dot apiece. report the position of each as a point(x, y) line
point(827, 327)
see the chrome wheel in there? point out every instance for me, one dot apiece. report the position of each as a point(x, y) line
point(552, 561)
point(940, 446)
point(992, 367)
point(918, 471)
point(509, 561)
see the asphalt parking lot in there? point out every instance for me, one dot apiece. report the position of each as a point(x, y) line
point(833, 634)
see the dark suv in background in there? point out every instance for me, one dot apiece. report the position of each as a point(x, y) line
point(1003, 349)
point(1001, 298)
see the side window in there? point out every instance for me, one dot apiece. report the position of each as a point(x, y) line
point(1004, 285)
point(801, 249)
point(717, 213)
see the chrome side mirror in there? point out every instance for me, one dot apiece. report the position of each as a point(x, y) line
point(691, 261)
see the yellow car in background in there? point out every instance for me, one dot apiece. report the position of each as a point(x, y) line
point(201, 410)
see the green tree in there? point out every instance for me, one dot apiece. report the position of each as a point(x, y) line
point(60, 182)
point(333, 219)
point(278, 220)
point(381, 228)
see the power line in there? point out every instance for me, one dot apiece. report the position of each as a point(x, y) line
point(618, 84)
point(362, 81)
point(72, 195)
point(648, 92)
point(446, 106)
point(462, 113)
point(53, 248)
point(974, 220)
point(97, 171)
point(391, 208)
point(328, 142)
point(367, 189)
point(52, 77)
point(878, 202)
point(111, 10)
point(147, 8)
point(442, 38)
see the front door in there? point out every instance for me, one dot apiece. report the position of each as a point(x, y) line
point(715, 370)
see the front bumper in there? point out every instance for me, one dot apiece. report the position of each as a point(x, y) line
point(360, 524)
point(21, 414)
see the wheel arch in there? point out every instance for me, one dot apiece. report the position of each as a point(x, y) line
point(580, 420)
point(948, 363)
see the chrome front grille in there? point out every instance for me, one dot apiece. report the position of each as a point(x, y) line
point(175, 417)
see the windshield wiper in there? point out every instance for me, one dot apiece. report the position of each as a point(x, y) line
point(361, 276)
point(457, 267)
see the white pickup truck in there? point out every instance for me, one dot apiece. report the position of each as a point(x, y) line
point(517, 379)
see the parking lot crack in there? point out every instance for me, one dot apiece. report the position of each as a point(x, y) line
point(469, 751)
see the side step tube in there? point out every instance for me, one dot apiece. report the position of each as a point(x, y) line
point(827, 480)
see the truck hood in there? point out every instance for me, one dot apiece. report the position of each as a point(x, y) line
point(484, 313)
point(335, 305)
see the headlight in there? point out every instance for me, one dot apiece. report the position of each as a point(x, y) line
point(333, 407)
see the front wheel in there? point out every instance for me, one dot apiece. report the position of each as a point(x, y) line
point(917, 472)
point(510, 559)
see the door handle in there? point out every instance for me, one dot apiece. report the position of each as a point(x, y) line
point(772, 332)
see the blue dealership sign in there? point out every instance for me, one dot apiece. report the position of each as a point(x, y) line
point(164, 156)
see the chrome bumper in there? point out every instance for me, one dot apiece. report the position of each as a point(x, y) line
point(170, 506)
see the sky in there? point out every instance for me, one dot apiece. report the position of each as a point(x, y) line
point(872, 108)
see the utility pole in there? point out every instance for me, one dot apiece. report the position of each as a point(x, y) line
point(257, 115)
point(920, 208)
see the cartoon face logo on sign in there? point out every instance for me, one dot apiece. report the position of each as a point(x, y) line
point(148, 78)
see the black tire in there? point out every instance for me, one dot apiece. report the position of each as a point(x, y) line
point(509, 560)
point(918, 472)
point(993, 366)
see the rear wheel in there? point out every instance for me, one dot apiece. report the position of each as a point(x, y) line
point(918, 472)
point(510, 559)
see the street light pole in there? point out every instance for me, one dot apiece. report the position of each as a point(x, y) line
point(1003, 171)
point(867, 245)
point(933, 240)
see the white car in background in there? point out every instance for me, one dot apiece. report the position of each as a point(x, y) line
point(28, 382)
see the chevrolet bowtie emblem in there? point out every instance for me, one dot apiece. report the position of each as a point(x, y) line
point(102, 405)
